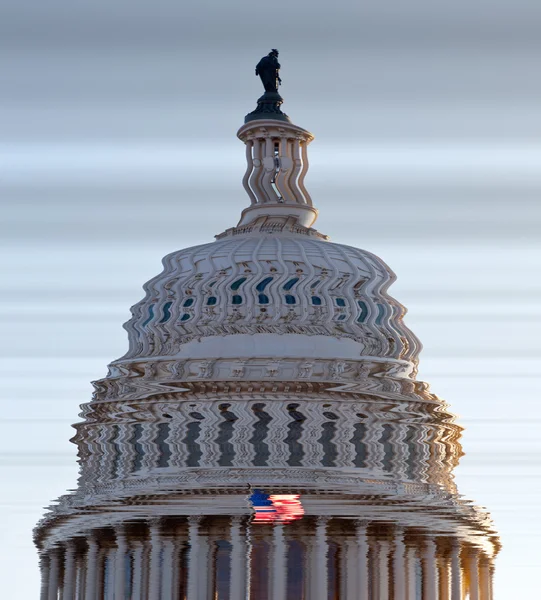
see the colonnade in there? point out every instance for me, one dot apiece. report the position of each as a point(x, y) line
point(300, 433)
point(218, 558)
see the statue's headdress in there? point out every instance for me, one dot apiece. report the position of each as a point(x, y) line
point(274, 51)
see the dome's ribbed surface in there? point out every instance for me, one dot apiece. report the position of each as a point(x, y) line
point(271, 284)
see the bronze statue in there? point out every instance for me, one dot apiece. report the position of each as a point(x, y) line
point(268, 68)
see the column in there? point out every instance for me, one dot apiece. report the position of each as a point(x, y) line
point(196, 561)
point(484, 578)
point(309, 564)
point(91, 583)
point(352, 574)
point(456, 572)
point(277, 577)
point(44, 570)
point(120, 563)
point(54, 574)
point(399, 566)
point(167, 569)
point(430, 575)
point(383, 569)
point(238, 561)
point(362, 558)
point(321, 551)
point(411, 557)
point(70, 572)
point(138, 590)
point(444, 578)
point(155, 556)
point(474, 573)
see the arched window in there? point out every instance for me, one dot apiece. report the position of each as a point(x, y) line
point(381, 314)
point(364, 311)
point(211, 301)
point(291, 283)
point(188, 302)
point(236, 284)
point(237, 299)
point(166, 312)
point(316, 300)
point(290, 299)
point(340, 302)
point(150, 315)
point(185, 317)
point(260, 287)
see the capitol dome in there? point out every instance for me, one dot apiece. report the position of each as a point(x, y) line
point(265, 436)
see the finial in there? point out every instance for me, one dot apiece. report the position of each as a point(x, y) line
point(268, 106)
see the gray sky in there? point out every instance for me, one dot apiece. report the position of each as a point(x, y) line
point(117, 125)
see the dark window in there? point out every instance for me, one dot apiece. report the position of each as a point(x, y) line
point(329, 448)
point(236, 284)
point(166, 312)
point(388, 450)
point(185, 317)
point(225, 433)
point(260, 287)
point(340, 302)
point(263, 299)
point(150, 315)
point(188, 302)
point(342, 318)
point(291, 283)
point(163, 446)
point(194, 450)
point(290, 299)
point(237, 299)
point(261, 429)
point(364, 311)
point(381, 314)
point(211, 301)
point(314, 284)
point(359, 432)
point(316, 300)
point(137, 447)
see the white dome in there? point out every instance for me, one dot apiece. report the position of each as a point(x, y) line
point(271, 295)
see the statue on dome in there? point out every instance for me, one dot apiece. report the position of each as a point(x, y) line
point(268, 69)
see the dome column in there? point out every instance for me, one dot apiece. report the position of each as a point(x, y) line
point(120, 563)
point(444, 578)
point(238, 560)
point(411, 563)
point(198, 570)
point(70, 572)
point(399, 566)
point(362, 560)
point(277, 577)
point(484, 578)
point(168, 562)
point(456, 572)
point(54, 574)
point(154, 578)
point(473, 570)
point(351, 573)
point(44, 567)
point(138, 586)
point(320, 577)
point(92, 557)
point(383, 568)
point(430, 574)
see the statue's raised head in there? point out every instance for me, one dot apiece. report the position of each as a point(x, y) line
point(274, 52)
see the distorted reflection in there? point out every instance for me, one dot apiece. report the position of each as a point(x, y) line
point(264, 436)
point(383, 521)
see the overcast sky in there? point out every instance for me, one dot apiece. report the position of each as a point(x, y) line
point(117, 146)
